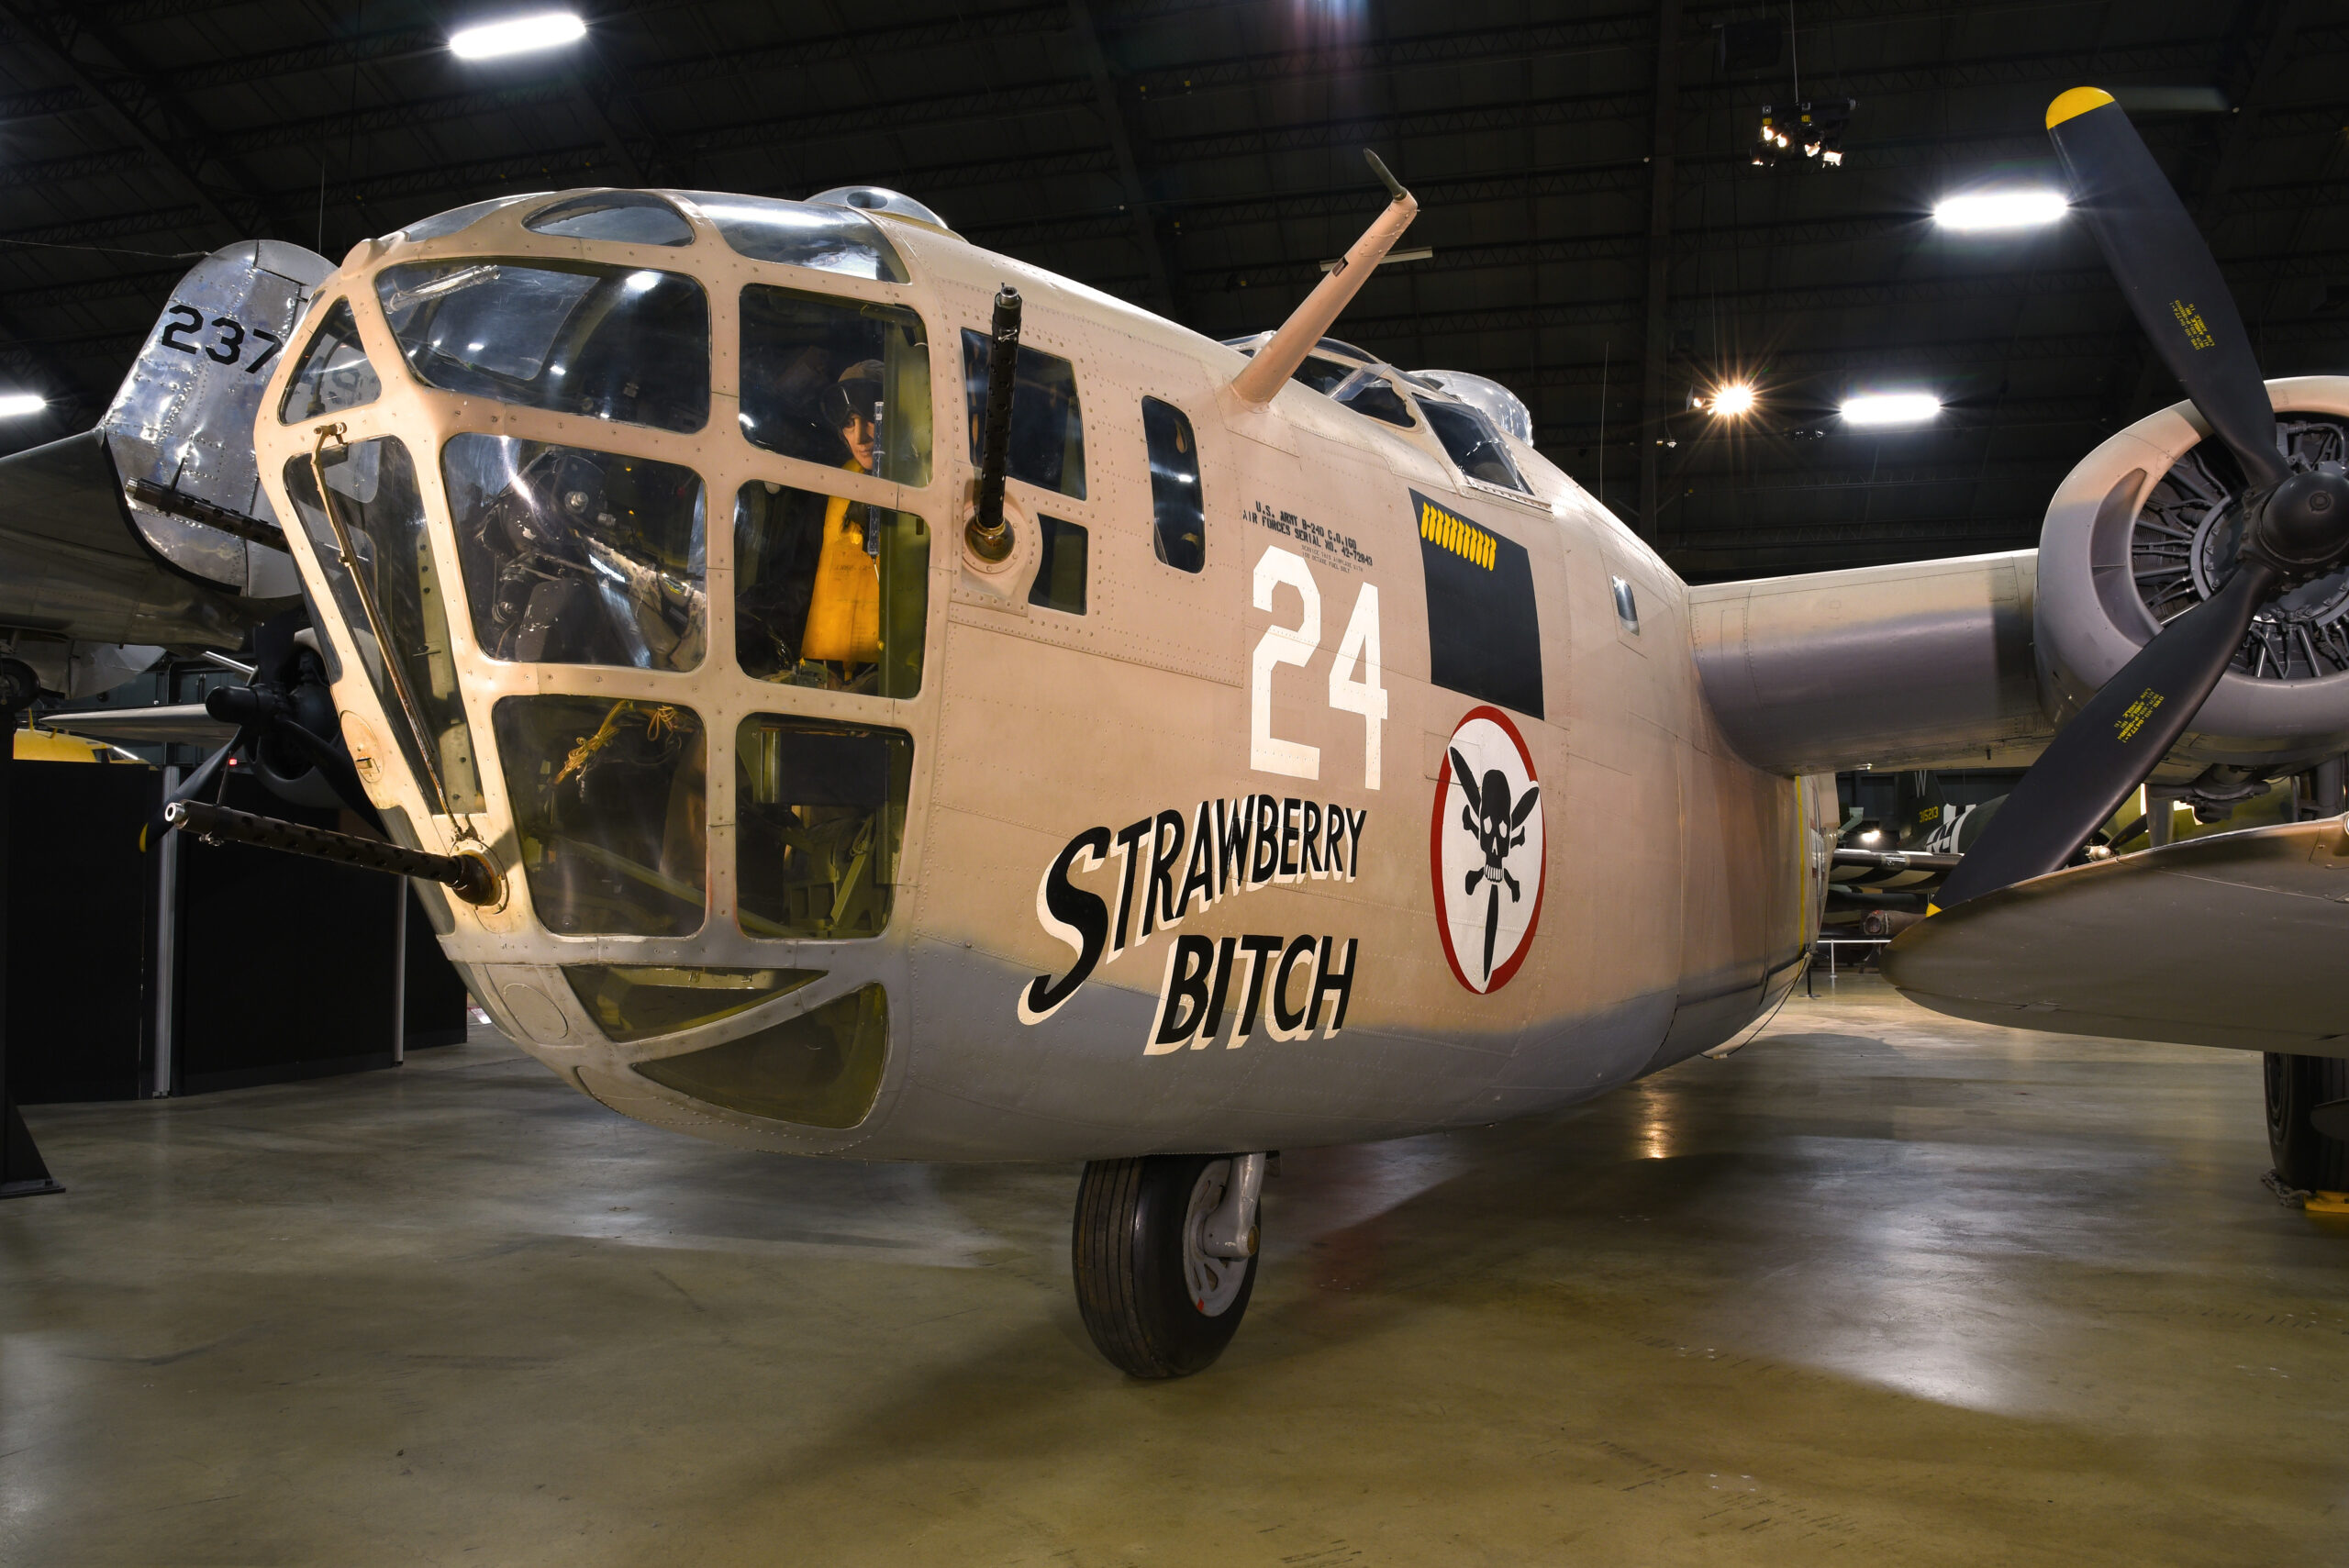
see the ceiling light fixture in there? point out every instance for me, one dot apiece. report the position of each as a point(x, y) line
point(1729, 401)
point(17, 405)
point(1990, 210)
point(516, 35)
point(1890, 408)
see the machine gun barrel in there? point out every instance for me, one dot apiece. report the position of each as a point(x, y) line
point(469, 875)
point(196, 509)
point(989, 535)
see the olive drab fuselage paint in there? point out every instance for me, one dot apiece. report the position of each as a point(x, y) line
point(1378, 821)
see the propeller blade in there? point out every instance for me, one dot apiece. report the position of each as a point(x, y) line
point(2113, 743)
point(333, 765)
point(2166, 271)
point(193, 785)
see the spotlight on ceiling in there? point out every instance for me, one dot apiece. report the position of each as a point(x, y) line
point(1890, 408)
point(1989, 210)
point(516, 35)
point(1732, 401)
point(17, 405)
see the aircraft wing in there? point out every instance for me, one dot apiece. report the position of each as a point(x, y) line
point(185, 722)
point(2233, 940)
point(1916, 665)
point(72, 566)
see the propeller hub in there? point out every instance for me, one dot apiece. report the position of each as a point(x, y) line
point(2304, 525)
point(246, 706)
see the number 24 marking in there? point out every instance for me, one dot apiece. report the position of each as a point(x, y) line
point(226, 348)
point(1268, 753)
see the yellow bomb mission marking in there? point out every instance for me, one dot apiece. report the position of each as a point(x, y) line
point(1462, 538)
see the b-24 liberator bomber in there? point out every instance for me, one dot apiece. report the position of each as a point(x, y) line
point(852, 694)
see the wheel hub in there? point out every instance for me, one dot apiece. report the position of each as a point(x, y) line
point(1213, 1282)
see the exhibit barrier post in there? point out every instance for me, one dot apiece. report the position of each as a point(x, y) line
point(23, 1173)
point(167, 931)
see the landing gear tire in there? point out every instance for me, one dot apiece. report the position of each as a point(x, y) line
point(2306, 1158)
point(1157, 1303)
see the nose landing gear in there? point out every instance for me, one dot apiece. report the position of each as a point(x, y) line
point(1164, 1254)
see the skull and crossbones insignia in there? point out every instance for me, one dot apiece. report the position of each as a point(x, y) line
point(1489, 850)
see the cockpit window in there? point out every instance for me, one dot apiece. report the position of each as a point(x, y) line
point(1473, 444)
point(373, 484)
point(610, 809)
point(1367, 392)
point(334, 374)
point(838, 381)
point(610, 342)
point(1047, 426)
point(829, 238)
point(636, 218)
point(441, 224)
point(577, 557)
point(1178, 508)
point(829, 592)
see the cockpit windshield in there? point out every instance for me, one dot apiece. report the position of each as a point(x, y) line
point(619, 343)
point(1473, 442)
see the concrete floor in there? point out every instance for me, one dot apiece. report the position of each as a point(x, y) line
point(1883, 1285)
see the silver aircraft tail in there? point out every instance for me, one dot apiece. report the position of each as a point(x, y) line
point(152, 529)
point(181, 429)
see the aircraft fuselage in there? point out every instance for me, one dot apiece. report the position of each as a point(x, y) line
point(1402, 811)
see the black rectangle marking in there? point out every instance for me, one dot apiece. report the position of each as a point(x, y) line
point(1483, 629)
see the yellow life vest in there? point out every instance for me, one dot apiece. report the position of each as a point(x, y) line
point(844, 609)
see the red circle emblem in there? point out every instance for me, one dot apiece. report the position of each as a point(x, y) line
point(1486, 854)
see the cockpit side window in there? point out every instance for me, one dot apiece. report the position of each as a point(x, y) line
point(827, 239)
point(577, 557)
point(1473, 444)
point(842, 382)
point(617, 343)
point(334, 374)
point(1047, 425)
point(381, 511)
point(1179, 506)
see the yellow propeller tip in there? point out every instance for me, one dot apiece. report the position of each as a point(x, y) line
point(2078, 101)
point(1931, 909)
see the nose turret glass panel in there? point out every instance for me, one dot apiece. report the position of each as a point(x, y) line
point(372, 487)
point(578, 556)
point(821, 811)
point(635, 217)
point(829, 592)
point(609, 802)
point(825, 239)
point(840, 382)
point(572, 556)
point(333, 374)
point(618, 343)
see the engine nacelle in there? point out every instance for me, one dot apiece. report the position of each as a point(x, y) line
point(1973, 661)
point(2138, 532)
